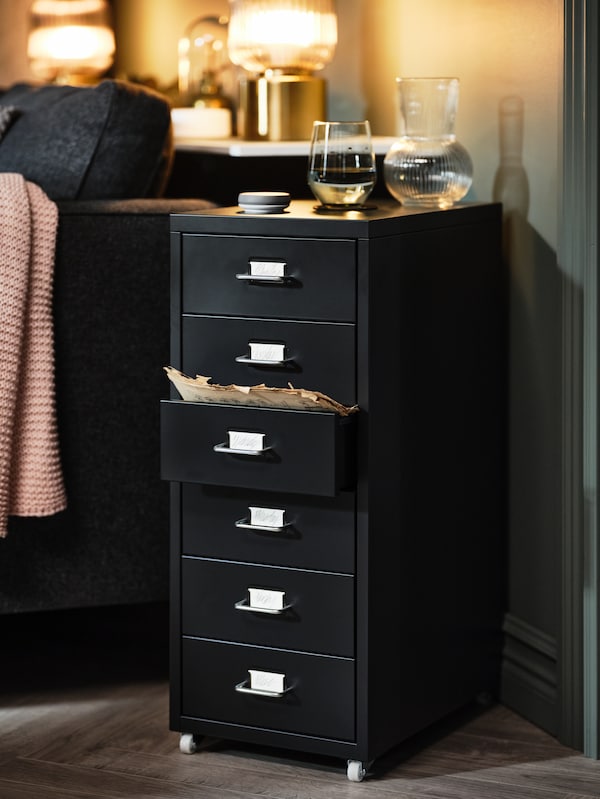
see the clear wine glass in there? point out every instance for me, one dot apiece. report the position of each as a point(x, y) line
point(341, 164)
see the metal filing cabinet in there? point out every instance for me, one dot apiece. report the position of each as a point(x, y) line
point(339, 587)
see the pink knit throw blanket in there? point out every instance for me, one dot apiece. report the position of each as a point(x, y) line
point(31, 481)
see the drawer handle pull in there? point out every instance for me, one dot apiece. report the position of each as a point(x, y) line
point(265, 353)
point(240, 442)
point(244, 604)
point(223, 447)
point(269, 272)
point(257, 362)
point(245, 524)
point(264, 683)
point(244, 688)
point(277, 280)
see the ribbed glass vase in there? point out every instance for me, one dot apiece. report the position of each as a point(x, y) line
point(427, 166)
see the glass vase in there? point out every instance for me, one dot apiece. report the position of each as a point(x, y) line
point(427, 166)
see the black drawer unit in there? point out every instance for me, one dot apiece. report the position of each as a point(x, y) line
point(312, 532)
point(313, 353)
point(336, 585)
point(317, 695)
point(303, 451)
point(319, 280)
point(218, 601)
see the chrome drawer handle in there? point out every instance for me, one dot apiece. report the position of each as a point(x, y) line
point(265, 353)
point(257, 362)
point(241, 442)
point(223, 447)
point(245, 524)
point(244, 604)
point(269, 279)
point(243, 688)
point(272, 272)
point(264, 683)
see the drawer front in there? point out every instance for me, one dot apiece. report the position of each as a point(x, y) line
point(268, 606)
point(314, 356)
point(320, 701)
point(317, 277)
point(306, 452)
point(305, 533)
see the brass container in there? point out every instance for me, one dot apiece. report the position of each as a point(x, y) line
point(280, 107)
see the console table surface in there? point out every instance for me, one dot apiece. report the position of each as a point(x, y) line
point(219, 169)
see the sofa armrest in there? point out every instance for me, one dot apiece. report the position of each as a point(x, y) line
point(111, 301)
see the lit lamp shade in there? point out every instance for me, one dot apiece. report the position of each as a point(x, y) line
point(281, 43)
point(70, 41)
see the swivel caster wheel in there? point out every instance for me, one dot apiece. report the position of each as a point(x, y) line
point(356, 771)
point(187, 744)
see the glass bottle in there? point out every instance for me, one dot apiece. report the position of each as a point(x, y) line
point(427, 166)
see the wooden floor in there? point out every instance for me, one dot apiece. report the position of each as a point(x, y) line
point(83, 713)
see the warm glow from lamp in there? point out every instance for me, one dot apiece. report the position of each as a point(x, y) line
point(202, 61)
point(70, 41)
point(290, 39)
point(281, 43)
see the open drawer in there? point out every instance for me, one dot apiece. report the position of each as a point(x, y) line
point(307, 452)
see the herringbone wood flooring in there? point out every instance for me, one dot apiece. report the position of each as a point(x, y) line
point(84, 713)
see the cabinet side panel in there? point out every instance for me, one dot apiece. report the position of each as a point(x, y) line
point(434, 403)
point(175, 609)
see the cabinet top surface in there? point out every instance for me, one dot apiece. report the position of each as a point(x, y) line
point(303, 217)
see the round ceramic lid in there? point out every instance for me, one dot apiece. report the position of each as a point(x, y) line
point(264, 202)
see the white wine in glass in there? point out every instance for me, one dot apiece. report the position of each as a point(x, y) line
point(341, 164)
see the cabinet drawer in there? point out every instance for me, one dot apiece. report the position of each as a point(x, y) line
point(315, 356)
point(311, 533)
point(314, 610)
point(306, 452)
point(320, 701)
point(317, 277)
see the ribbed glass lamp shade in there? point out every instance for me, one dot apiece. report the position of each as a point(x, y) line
point(281, 43)
point(70, 41)
point(291, 36)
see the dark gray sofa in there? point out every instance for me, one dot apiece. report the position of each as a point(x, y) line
point(104, 155)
